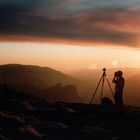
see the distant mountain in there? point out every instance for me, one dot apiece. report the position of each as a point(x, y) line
point(34, 79)
point(15, 74)
point(66, 93)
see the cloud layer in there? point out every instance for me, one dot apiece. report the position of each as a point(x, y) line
point(115, 22)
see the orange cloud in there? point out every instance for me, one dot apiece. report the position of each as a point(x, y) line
point(103, 25)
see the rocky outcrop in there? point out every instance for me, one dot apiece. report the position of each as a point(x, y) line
point(61, 93)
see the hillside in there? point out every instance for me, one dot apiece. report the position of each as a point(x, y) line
point(34, 79)
point(15, 74)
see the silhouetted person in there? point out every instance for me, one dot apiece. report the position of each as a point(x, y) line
point(119, 81)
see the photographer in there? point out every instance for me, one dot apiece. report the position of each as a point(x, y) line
point(119, 81)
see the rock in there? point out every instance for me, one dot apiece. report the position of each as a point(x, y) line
point(62, 108)
point(3, 137)
point(55, 125)
point(10, 119)
point(28, 106)
point(106, 103)
point(58, 92)
point(30, 131)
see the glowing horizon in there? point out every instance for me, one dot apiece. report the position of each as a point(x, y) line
point(68, 58)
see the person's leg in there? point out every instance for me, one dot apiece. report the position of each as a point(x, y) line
point(120, 99)
point(116, 97)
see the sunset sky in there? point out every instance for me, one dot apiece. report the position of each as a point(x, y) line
point(70, 35)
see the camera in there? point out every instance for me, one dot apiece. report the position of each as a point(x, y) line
point(116, 74)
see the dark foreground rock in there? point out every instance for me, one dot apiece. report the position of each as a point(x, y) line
point(24, 117)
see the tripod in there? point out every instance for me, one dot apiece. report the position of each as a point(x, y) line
point(103, 78)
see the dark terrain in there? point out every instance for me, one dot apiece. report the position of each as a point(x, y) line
point(39, 103)
point(27, 117)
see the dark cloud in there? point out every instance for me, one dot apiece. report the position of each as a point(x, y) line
point(11, 11)
point(98, 25)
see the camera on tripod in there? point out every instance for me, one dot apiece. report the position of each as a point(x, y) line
point(101, 81)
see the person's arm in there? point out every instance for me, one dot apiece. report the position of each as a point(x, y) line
point(115, 79)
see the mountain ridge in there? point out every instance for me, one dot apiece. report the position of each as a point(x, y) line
point(32, 79)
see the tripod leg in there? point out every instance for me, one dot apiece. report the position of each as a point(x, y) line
point(102, 89)
point(96, 90)
point(109, 86)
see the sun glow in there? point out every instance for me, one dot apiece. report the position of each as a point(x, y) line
point(68, 58)
point(114, 63)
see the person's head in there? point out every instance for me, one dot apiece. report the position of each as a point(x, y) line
point(119, 73)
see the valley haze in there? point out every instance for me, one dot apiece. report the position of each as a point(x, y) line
point(56, 86)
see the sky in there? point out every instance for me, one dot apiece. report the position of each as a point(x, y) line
point(69, 35)
point(69, 58)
